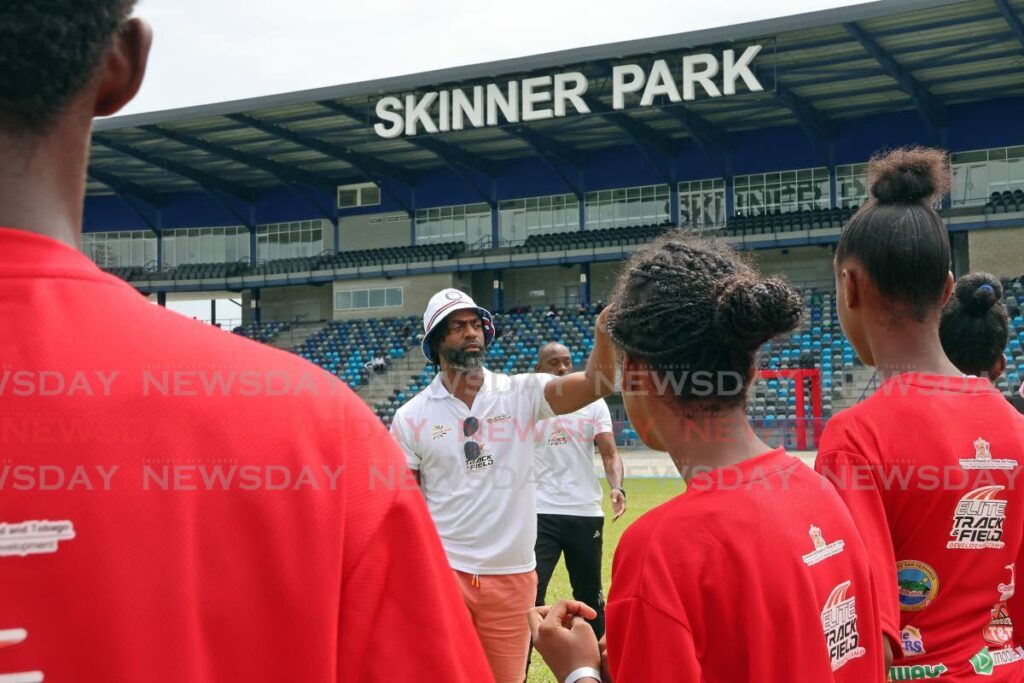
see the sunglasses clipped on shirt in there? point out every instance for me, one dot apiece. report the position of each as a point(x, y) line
point(471, 448)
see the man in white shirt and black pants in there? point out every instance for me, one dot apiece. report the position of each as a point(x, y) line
point(570, 518)
point(468, 439)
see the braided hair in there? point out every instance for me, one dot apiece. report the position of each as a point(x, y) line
point(686, 303)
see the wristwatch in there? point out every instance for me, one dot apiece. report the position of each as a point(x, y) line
point(620, 490)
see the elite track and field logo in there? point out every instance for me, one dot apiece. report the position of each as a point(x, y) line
point(839, 621)
point(978, 520)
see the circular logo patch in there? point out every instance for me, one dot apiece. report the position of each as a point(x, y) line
point(918, 585)
point(452, 296)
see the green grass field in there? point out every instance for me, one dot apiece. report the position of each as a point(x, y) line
point(642, 495)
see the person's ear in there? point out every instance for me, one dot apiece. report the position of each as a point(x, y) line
point(998, 368)
point(947, 292)
point(124, 67)
point(851, 288)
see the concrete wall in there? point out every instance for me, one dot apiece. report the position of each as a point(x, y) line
point(374, 230)
point(998, 251)
point(799, 265)
point(416, 292)
point(602, 279)
point(521, 286)
point(287, 303)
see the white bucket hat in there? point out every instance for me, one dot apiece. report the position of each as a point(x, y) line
point(442, 304)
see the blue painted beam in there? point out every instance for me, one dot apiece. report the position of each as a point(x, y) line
point(814, 123)
point(205, 180)
point(124, 187)
point(365, 165)
point(448, 152)
point(285, 173)
point(930, 108)
point(551, 152)
point(638, 131)
point(1016, 27)
point(127, 190)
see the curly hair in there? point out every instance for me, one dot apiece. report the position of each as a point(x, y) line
point(49, 50)
point(897, 236)
point(689, 303)
point(975, 324)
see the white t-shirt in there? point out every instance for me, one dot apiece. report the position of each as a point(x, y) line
point(484, 510)
point(564, 462)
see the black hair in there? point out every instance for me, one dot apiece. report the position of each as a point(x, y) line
point(49, 50)
point(897, 235)
point(690, 303)
point(975, 324)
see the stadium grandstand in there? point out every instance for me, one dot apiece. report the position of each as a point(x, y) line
point(332, 215)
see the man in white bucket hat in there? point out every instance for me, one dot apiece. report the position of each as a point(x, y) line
point(468, 438)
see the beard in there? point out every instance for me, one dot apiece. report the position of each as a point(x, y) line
point(463, 361)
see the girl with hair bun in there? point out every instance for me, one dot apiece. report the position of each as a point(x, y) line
point(928, 464)
point(975, 326)
point(756, 572)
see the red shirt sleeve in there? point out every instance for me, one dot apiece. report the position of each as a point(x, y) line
point(402, 616)
point(857, 483)
point(645, 644)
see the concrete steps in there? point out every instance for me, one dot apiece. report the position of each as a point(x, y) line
point(398, 376)
point(298, 333)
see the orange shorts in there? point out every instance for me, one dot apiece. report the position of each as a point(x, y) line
point(498, 605)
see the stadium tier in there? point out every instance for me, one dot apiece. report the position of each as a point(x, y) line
point(352, 204)
point(265, 332)
point(346, 349)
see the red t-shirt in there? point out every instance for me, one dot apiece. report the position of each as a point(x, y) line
point(755, 573)
point(178, 503)
point(929, 467)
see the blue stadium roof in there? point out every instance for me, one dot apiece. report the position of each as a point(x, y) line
point(820, 71)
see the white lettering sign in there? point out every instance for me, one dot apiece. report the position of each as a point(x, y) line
point(558, 95)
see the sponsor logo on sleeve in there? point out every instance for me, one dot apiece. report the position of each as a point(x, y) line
point(34, 537)
point(918, 585)
point(822, 550)
point(839, 621)
point(912, 642)
point(983, 459)
point(978, 520)
point(916, 672)
point(999, 631)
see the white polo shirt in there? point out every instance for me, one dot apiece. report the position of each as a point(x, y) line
point(564, 462)
point(484, 510)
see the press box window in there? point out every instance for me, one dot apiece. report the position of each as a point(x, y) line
point(360, 194)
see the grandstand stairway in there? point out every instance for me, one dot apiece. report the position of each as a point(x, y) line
point(398, 377)
point(296, 334)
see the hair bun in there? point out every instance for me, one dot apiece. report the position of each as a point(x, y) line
point(978, 292)
point(909, 175)
point(749, 312)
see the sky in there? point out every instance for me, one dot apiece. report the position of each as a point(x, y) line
point(217, 50)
